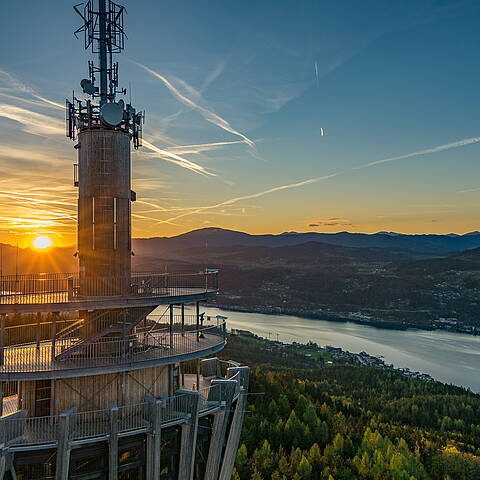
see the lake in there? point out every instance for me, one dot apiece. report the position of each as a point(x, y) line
point(446, 356)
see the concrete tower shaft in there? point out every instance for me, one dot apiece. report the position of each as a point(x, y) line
point(104, 225)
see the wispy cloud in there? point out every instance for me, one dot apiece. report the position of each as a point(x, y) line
point(15, 84)
point(217, 71)
point(251, 196)
point(177, 159)
point(33, 122)
point(328, 222)
point(469, 190)
point(202, 147)
point(439, 148)
point(332, 222)
point(207, 114)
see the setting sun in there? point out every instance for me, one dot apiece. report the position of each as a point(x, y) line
point(42, 243)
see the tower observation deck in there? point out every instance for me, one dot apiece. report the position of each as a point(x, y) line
point(102, 371)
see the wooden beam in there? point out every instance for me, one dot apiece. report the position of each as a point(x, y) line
point(153, 438)
point(189, 438)
point(236, 426)
point(225, 393)
point(64, 448)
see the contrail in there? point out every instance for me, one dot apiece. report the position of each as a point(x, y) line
point(184, 149)
point(440, 148)
point(33, 122)
point(192, 211)
point(26, 89)
point(468, 190)
point(231, 201)
point(207, 114)
point(178, 160)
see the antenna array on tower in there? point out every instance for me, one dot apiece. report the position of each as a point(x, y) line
point(105, 35)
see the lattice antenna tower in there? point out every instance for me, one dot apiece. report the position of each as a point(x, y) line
point(104, 35)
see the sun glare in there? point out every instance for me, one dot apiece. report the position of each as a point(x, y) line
point(42, 243)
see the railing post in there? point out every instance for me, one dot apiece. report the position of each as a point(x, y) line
point(64, 447)
point(54, 336)
point(198, 320)
point(153, 438)
point(113, 444)
point(197, 371)
point(183, 319)
point(39, 316)
point(171, 326)
point(2, 338)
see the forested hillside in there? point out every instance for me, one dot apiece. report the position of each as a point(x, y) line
point(308, 421)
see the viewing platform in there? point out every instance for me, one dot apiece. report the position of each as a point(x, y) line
point(150, 344)
point(62, 292)
point(20, 431)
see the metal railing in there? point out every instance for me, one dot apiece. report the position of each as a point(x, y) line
point(54, 288)
point(20, 430)
point(142, 346)
point(25, 334)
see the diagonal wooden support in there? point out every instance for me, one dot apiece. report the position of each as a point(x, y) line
point(223, 390)
point(236, 426)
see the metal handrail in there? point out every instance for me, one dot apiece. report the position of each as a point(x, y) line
point(138, 347)
point(48, 288)
point(25, 334)
point(21, 430)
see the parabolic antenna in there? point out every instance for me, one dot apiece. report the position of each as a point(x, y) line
point(87, 86)
point(112, 113)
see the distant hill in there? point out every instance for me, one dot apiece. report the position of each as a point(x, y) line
point(214, 245)
point(467, 261)
point(308, 253)
point(422, 245)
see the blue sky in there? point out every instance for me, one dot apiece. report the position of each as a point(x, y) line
point(251, 84)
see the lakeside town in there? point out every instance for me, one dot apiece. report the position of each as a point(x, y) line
point(379, 320)
point(329, 355)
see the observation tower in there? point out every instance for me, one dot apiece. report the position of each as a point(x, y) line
point(103, 372)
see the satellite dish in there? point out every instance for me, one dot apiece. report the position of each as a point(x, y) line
point(87, 86)
point(112, 113)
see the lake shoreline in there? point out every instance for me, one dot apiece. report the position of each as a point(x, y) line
point(400, 326)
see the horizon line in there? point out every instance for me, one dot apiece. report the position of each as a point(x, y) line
point(292, 232)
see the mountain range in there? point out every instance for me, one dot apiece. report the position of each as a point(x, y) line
point(210, 244)
point(427, 245)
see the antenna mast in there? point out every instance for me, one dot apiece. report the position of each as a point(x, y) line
point(103, 35)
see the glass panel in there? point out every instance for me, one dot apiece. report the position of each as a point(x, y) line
point(170, 453)
point(39, 465)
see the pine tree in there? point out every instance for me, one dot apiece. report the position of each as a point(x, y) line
point(304, 468)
